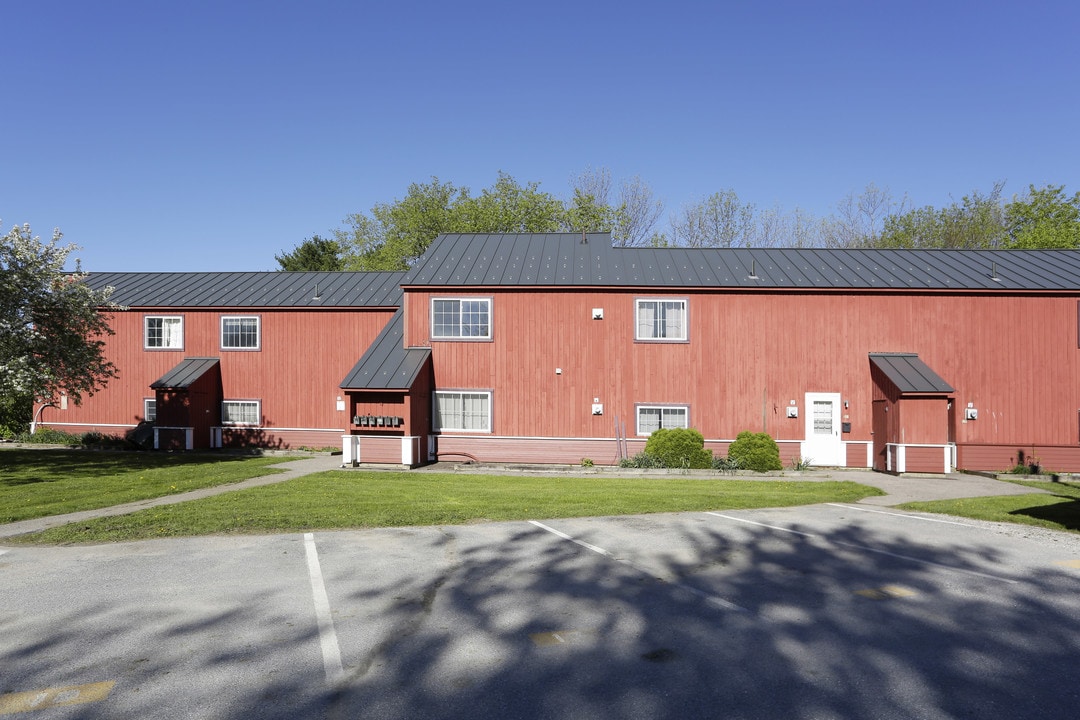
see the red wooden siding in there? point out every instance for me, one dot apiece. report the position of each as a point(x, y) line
point(750, 354)
point(295, 375)
point(1005, 457)
point(924, 459)
point(855, 455)
point(381, 450)
point(923, 420)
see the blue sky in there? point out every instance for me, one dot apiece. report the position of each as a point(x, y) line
point(212, 135)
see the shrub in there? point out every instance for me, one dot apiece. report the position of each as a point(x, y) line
point(801, 463)
point(15, 415)
point(50, 436)
point(755, 451)
point(725, 464)
point(679, 448)
point(641, 460)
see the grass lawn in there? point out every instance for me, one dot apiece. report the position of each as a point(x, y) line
point(36, 483)
point(339, 499)
point(1059, 511)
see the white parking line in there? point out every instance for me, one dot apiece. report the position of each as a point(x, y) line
point(867, 549)
point(903, 515)
point(711, 599)
point(327, 636)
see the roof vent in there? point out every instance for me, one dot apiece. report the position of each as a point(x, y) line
point(316, 296)
point(993, 272)
point(753, 270)
point(584, 240)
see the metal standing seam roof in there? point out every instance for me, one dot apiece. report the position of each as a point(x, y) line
point(387, 364)
point(909, 374)
point(562, 259)
point(251, 289)
point(185, 374)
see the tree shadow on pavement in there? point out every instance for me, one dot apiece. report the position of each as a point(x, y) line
point(704, 620)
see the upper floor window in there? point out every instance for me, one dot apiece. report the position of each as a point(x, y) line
point(240, 412)
point(458, 318)
point(651, 418)
point(164, 332)
point(661, 320)
point(240, 333)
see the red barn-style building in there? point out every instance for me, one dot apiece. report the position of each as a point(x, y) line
point(555, 347)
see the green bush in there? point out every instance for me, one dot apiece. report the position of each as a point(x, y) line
point(679, 448)
point(50, 436)
point(641, 460)
point(755, 451)
point(725, 464)
point(15, 415)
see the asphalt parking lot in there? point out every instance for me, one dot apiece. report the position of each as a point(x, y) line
point(825, 611)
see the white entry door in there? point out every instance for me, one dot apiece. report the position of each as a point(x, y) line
point(822, 445)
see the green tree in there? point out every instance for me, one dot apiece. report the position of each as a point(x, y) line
point(1044, 218)
point(315, 253)
point(395, 234)
point(976, 222)
point(51, 324)
point(586, 213)
point(508, 206)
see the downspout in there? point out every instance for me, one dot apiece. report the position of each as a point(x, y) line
point(37, 417)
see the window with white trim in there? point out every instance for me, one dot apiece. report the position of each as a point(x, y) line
point(651, 418)
point(163, 332)
point(149, 409)
point(461, 318)
point(660, 319)
point(240, 332)
point(461, 410)
point(240, 412)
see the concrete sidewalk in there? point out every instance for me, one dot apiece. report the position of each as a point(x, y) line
point(898, 489)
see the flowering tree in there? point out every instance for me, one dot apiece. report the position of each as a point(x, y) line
point(51, 324)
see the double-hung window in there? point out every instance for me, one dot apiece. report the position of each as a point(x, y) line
point(660, 319)
point(149, 409)
point(240, 412)
point(163, 332)
point(651, 418)
point(468, 411)
point(461, 318)
point(240, 332)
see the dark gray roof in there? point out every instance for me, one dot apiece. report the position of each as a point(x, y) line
point(561, 259)
point(909, 374)
point(387, 365)
point(251, 289)
point(185, 374)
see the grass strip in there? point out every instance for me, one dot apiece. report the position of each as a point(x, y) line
point(1059, 510)
point(338, 499)
point(38, 483)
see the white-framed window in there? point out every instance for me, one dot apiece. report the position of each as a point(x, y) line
point(240, 412)
point(163, 332)
point(660, 319)
point(465, 410)
point(651, 418)
point(149, 409)
point(461, 318)
point(240, 332)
